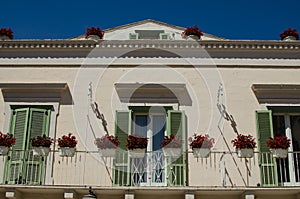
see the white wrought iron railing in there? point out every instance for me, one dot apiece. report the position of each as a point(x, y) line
point(223, 169)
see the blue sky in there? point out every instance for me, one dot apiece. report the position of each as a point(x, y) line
point(235, 19)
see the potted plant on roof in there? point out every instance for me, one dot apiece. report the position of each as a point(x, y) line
point(192, 33)
point(171, 146)
point(6, 34)
point(94, 33)
point(279, 146)
point(244, 145)
point(67, 144)
point(41, 145)
point(137, 145)
point(6, 141)
point(201, 145)
point(107, 145)
point(289, 35)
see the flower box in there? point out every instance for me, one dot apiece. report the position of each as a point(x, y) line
point(6, 141)
point(107, 145)
point(192, 31)
point(279, 153)
point(4, 150)
point(137, 153)
point(6, 34)
point(245, 153)
point(171, 152)
point(66, 151)
point(289, 35)
point(108, 152)
point(244, 145)
point(279, 146)
point(41, 151)
point(201, 152)
point(94, 33)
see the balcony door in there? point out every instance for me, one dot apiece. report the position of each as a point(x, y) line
point(288, 169)
point(151, 169)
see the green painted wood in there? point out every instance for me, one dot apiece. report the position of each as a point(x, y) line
point(121, 172)
point(176, 172)
point(267, 163)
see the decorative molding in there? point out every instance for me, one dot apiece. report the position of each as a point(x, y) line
point(277, 93)
point(163, 44)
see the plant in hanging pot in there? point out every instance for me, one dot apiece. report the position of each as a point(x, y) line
point(279, 146)
point(94, 33)
point(137, 145)
point(192, 32)
point(289, 35)
point(201, 145)
point(244, 145)
point(6, 34)
point(171, 146)
point(67, 144)
point(107, 145)
point(6, 141)
point(41, 145)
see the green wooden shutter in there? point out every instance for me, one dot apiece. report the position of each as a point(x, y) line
point(121, 172)
point(268, 171)
point(21, 167)
point(39, 121)
point(15, 161)
point(176, 170)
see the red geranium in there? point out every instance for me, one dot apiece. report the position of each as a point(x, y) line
point(6, 32)
point(7, 139)
point(192, 31)
point(244, 142)
point(201, 141)
point(42, 141)
point(289, 32)
point(67, 141)
point(172, 141)
point(279, 142)
point(107, 142)
point(136, 142)
point(94, 31)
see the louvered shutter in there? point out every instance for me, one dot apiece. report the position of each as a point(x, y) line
point(39, 120)
point(21, 166)
point(121, 173)
point(267, 163)
point(176, 171)
point(15, 161)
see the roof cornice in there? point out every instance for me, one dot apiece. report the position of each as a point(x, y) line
point(178, 44)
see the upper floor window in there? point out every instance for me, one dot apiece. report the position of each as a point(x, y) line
point(149, 34)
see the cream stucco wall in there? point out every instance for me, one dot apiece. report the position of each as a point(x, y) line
point(239, 100)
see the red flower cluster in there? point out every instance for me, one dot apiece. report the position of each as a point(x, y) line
point(244, 142)
point(67, 141)
point(171, 142)
point(6, 32)
point(107, 142)
point(279, 142)
point(136, 142)
point(192, 31)
point(94, 31)
point(199, 141)
point(289, 32)
point(41, 141)
point(7, 140)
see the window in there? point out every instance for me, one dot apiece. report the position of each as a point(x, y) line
point(154, 169)
point(21, 167)
point(275, 122)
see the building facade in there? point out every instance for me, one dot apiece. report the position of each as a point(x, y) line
point(145, 78)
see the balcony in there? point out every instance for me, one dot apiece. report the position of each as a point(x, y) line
point(220, 169)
